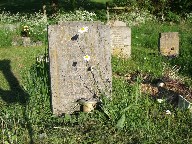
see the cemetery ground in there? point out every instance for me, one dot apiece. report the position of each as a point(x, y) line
point(134, 115)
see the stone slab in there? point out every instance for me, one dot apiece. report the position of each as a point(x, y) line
point(121, 41)
point(73, 78)
point(10, 27)
point(169, 43)
point(116, 23)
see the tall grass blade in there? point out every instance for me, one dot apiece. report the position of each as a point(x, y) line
point(121, 122)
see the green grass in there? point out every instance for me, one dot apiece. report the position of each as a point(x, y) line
point(101, 1)
point(21, 59)
point(130, 117)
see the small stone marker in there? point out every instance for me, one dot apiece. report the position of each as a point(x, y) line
point(120, 39)
point(26, 41)
point(169, 44)
point(80, 63)
point(10, 27)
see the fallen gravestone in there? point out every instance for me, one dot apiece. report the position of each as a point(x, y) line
point(80, 63)
point(10, 27)
point(169, 44)
point(120, 39)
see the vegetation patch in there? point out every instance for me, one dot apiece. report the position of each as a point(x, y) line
point(136, 113)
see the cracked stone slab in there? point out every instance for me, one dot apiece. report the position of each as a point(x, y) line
point(74, 77)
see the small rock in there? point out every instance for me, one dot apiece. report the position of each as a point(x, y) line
point(43, 135)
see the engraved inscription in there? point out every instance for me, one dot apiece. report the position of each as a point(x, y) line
point(169, 44)
point(121, 41)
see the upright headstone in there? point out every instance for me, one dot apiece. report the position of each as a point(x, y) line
point(80, 63)
point(120, 39)
point(169, 44)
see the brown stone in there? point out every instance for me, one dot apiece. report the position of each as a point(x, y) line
point(169, 44)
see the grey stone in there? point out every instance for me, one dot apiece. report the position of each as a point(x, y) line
point(116, 23)
point(42, 135)
point(169, 43)
point(17, 41)
point(26, 41)
point(73, 78)
point(10, 27)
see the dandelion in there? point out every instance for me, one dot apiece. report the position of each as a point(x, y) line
point(86, 58)
point(160, 100)
point(83, 29)
point(25, 28)
point(168, 112)
point(25, 31)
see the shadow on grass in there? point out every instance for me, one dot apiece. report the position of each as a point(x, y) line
point(31, 6)
point(16, 94)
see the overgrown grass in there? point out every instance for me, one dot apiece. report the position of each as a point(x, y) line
point(130, 117)
point(147, 36)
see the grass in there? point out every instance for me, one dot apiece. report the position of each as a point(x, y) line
point(130, 117)
point(101, 1)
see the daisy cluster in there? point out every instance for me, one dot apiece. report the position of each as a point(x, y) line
point(78, 15)
point(136, 17)
point(38, 21)
point(81, 31)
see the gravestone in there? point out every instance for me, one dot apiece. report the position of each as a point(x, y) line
point(120, 39)
point(80, 63)
point(116, 23)
point(169, 44)
point(10, 27)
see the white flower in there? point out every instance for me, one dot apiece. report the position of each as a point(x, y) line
point(92, 68)
point(160, 84)
point(160, 100)
point(168, 112)
point(86, 58)
point(83, 29)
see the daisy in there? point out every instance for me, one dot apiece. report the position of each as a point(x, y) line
point(83, 29)
point(86, 58)
point(160, 100)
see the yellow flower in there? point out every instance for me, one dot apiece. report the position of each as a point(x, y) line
point(25, 27)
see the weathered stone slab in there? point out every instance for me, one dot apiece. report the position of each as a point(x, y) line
point(116, 23)
point(169, 44)
point(10, 27)
point(73, 77)
point(26, 41)
point(121, 41)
